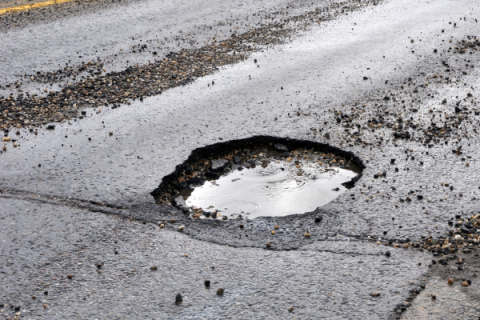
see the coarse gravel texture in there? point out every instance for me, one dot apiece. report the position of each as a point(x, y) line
point(99, 88)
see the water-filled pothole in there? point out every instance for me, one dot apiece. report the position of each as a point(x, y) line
point(278, 189)
point(259, 176)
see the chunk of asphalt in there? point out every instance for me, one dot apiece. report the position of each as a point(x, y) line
point(219, 164)
point(179, 202)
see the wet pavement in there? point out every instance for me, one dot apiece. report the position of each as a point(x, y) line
point(69, 193)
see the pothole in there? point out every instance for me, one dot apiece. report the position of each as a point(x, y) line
point(257, 177)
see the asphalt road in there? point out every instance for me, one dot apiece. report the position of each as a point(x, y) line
point(78, 196)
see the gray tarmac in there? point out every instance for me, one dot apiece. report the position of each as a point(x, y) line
point(73, 196)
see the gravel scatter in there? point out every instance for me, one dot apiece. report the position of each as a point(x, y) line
point(138, 81)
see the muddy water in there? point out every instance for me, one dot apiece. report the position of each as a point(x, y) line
point(277, 189)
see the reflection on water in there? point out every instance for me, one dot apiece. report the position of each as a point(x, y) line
point(279, 189)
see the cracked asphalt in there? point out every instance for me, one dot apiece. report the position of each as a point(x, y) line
point(78, 220)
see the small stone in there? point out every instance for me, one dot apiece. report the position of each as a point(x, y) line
point(272, 232)
point(178, 298)
point(111, 133)
point(220, 291)
point(186, 255)
point(290, 309)
point(269, 245)
point(388, 254)
point(242, 226)
point(434, 296)
point(33, 297)
point(153, 268)
point(45, 306)
point(276, 227)
point(450, 281)
point(375, 294)
point(50, 127)
point(306, 234)
point(173, 220)
point(181, 228)
point(162, 225)
point(465, 284)
point(6, 139)
point(207, 283)
point(69, 276)
point(405, 245)
point(318, 219)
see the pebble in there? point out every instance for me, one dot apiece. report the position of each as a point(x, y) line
point(290, 309)
point(178, 298)
point(153, 268)
point(181, 228)
point(220, 291)
point(375, 294)
point(207, 283)
point(450, 281)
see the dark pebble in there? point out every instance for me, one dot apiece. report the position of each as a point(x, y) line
point(178, 298)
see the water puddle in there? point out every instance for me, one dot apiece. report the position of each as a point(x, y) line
point(258, 176)
point(277, 189)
